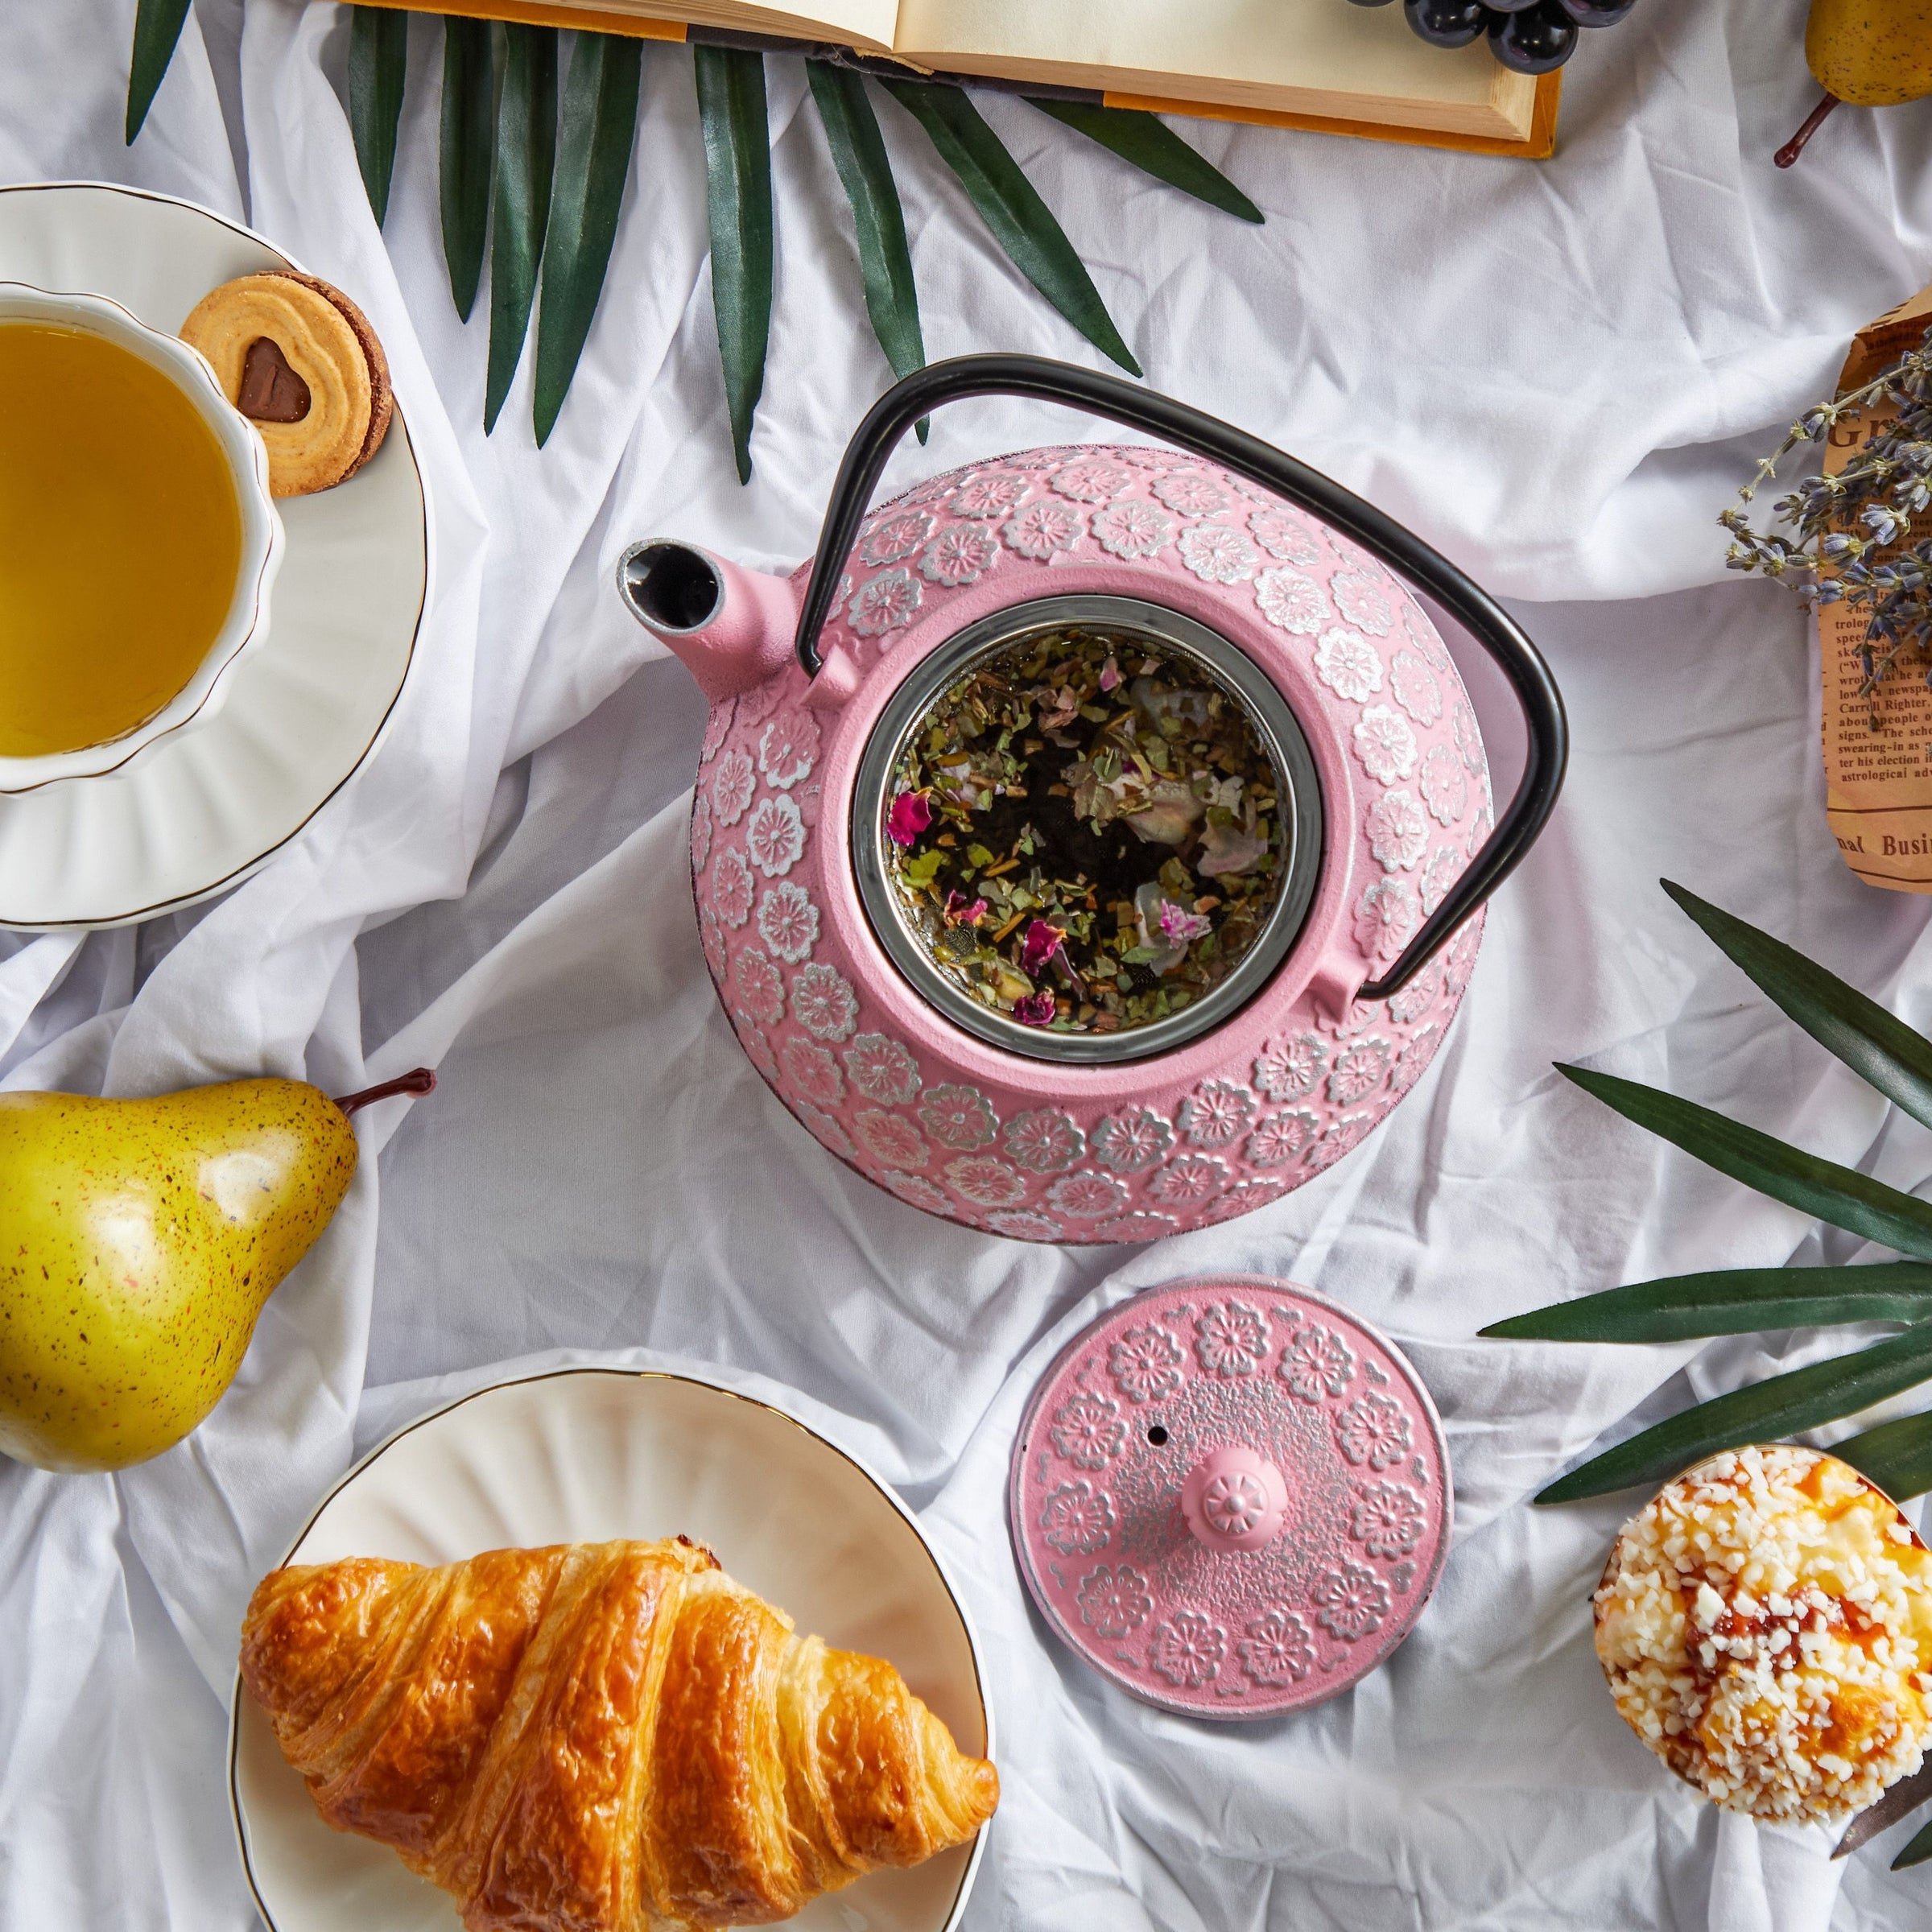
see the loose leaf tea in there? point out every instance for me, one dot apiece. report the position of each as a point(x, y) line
point(1084, 831)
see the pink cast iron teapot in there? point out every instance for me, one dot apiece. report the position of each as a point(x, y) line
point(1274, 586)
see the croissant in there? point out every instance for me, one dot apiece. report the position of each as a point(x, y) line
point(600, 1737)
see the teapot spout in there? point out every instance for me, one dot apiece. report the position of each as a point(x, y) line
point(732, 627)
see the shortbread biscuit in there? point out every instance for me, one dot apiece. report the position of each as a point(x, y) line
point(299, 360)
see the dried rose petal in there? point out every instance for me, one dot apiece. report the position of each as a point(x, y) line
point(1181, 928)
point(963, 911)
point(911, 813)
point(1110, 675)
point(1036, 1009)
point(1042, 942)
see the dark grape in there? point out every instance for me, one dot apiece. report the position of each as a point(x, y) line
point(1446, 22)
point(1509, 6)
point(1371, 3)
point(1536, 41)
point(1597, 12)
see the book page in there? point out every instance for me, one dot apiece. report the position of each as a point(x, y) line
point(1321, 57)
point(866, 23)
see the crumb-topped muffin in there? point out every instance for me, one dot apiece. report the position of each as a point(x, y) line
point(1766, 1626)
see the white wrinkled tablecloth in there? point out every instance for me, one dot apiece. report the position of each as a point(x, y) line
point(1557, 373)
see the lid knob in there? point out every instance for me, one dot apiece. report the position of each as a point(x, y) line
point(1234, 1499)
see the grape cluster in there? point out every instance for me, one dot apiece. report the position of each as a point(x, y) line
point(1532, 36)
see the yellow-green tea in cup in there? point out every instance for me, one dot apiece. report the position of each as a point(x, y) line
point(120, 539)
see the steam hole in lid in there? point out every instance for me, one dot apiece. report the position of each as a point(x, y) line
point(673, 586)
point(1157, 1436)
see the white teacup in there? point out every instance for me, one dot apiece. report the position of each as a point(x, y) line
point(246, 623)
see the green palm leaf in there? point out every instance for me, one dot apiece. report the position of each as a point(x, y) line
point(1734, 1301)
point(1900, 1802)
point(1898, 1456)
point(462, 154)
point(1917, 1851)
point(858, 152)
point(378, 63)
point(1819, 1188)
point(527, 149)
point(1879, 1047)
point(1781, 1406)
point(593, 158)
point(1154, 147)
point(737, 176)
point(158, 26)
point(1021, 221)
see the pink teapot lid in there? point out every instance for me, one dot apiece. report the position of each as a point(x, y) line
point(1231, 1496)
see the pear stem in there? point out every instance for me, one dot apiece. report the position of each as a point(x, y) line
point(419, 1080)
point(1795, 146)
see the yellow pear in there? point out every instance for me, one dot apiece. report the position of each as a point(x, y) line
point(1873, 53)
point(138, 1241)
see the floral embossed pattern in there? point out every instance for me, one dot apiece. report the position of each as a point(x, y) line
point(1381, 702)
point(1122, 1422)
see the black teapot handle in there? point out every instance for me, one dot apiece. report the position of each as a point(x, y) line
point(907, 402)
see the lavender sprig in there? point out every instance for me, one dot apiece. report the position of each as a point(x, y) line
point(1850, 531)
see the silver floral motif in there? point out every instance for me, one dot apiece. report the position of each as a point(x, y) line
point(1146, 1363)
point(986, 1180)
point(1422, 635)
point(711, 937)
point(1245, 1195)
point(884, 603)
point(1351, 666)
point(1189, 1177)
point(1291, 600)
point(1284, 535)
point(758, 703)
point(1386, 1519)
point(1289, 1068)
point(757, 1049)
point(1279, 1138)
point(890, 1138)
point(1086, 1195)
point(1350, 1601)
point(1024, 1225)
point(700, 831)
point(1459, 961)
point(761, 991)
point(1230, 1339)
point(826, 1131)
point(1113, 1600)
point(1413, 685)
point(1373, 1429)
point(1359, 1068)
point(732, 785)
point(1042, 529)
point(814, 1072)
point(987, 496)
point(1467, 734)
point(1419, 995)
point(1132, 1141)
point(1187, 1649)
point(1141, 1225)
point(1217, 553)
point(1414, 1058)
point(775, 838)
point(881, 1069)
point(1317, 1362)
point(1131, 529)
point(717, 728)
point(895, 536)
point(1046, 1141)
point(1385, 744)
point(1191, 492)
point(1279, 1649)
point(1339, 1137)
point(1078, 1518)
point(1214, 1114)
point(788, 747)
point(1445, 785)
point(1091, 480)
point(788, 921)
point(961, 1118)
point(1398, 830)
point(1087, 1432)
point(824, 1003)
point(1445, 867)
point(1384, 919)
point(915, 1190)
point(731, 887)
point(962, 554)
point(1360, 599)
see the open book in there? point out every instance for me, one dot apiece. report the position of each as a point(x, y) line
point(1325, 64)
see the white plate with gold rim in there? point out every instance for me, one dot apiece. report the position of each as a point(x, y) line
point(203, 809)
point(587, 1454)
